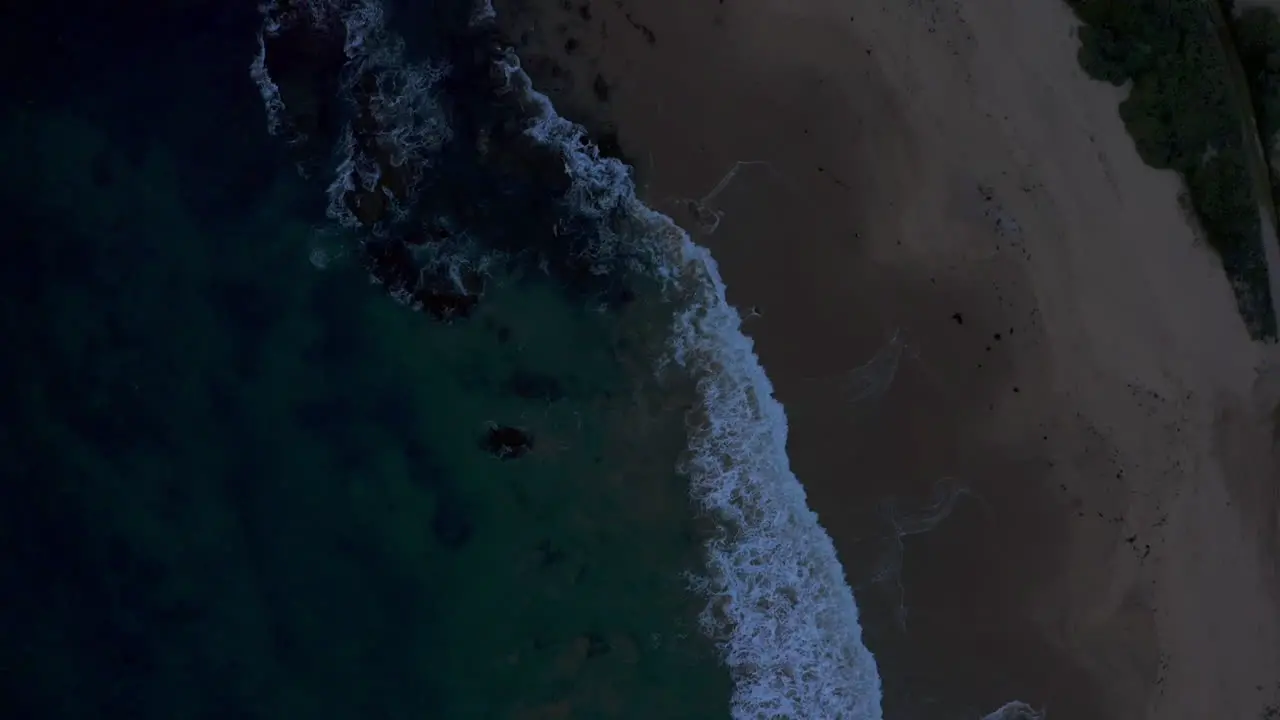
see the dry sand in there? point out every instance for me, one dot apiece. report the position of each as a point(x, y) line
point(942, 173)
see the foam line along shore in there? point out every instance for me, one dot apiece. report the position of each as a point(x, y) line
point(777, 600)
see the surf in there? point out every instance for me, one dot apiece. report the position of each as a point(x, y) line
point(777, 602)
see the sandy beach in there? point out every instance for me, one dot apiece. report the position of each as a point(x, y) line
point(962, 279)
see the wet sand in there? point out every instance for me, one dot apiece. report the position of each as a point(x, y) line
point(947, 196)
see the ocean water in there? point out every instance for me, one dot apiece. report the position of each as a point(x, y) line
point(776, 604)
point(344, 378)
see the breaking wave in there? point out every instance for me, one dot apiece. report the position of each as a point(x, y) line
point(777, 602)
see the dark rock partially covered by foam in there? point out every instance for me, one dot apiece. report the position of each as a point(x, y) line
point(436, 179)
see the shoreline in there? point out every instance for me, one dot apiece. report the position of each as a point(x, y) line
point(789, 638)
point(1053, 313)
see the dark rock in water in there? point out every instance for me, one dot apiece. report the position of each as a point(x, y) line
point(534, 386)
point(391, 263)
point(305, 62)
point(447, 305)
point(413, 215)
point(506, 442)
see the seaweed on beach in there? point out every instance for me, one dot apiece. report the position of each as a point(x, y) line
point(1185, 115)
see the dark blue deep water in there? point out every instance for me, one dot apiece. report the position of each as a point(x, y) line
point(260, 465)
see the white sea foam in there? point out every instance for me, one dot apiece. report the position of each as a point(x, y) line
point(778, 602)
point(482, 13)
point(271, 99)
point(344, 182)
point(410, 123)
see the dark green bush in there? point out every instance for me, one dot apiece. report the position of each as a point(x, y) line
point(1257, 38)
point(1106, 56)
point(1182, 117)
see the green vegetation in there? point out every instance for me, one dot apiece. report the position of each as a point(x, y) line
point(1256, 32)
point(1185, 115)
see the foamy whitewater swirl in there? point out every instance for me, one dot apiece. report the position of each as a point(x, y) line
point(778, 600)
point(411, 124)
